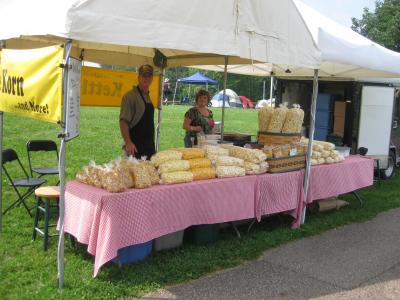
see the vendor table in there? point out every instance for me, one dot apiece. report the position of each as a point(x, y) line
point(354, 173)
point(284, 192)
point(107, 221)
point(276, 193)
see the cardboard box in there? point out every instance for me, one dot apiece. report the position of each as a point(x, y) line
point(338, 126)
point(340, 109)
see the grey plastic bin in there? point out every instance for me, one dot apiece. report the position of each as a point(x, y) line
point(168, 241)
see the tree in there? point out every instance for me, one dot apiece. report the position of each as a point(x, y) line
point(382, 25)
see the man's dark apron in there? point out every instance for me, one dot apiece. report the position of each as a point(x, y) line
point(142, 134)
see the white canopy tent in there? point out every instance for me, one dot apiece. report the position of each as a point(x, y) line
point(122, 33)
point(344, 55)
point(163, 33)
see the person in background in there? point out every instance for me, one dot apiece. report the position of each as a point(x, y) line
point(136, 117)
point(198, 119)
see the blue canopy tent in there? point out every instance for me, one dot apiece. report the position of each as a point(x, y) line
point(197, 78)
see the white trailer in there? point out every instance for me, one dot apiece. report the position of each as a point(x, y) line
point(370, 119)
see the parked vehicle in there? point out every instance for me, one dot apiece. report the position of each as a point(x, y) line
point(354, 114)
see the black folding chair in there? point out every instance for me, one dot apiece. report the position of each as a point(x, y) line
point(19, 184)
point(42, 168)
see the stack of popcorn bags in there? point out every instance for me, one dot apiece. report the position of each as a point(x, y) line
point(225, 166)
point(254, 159)
point(171, 167)
point(281, 119)
point(174, 166)
point(183, 165)
point(324, 152)
point(199, 165)
point(120, 174)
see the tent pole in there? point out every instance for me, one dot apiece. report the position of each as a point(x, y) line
point(173, 99)
point(159, 111)
point(1, 173)
point(223, 98)
point(263, 90)
point(60, 250)
point(310, 143)
point(271, 89)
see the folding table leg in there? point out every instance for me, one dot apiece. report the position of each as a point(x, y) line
point(251, 225)
point(358, 197)
point(236, 230)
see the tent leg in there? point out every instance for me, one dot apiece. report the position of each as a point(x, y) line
point(173, 99)
point(60, 250)
point(1, 173)
point(310, 143)
point(159, 113)
point(223, 98)
point(271, 90)
point(263, 90)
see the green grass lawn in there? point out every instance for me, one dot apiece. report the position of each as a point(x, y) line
point(27, 272)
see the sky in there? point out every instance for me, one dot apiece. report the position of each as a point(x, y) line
point(341, 11)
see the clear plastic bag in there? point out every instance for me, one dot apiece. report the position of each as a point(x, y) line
point(264, 118)
point(230, 171)
point(253, 169)
point(176, 177)
point(164, 156)
point(250, 155)
point(191, 153)
point(111, 179)
point(140, 175)
point(151, 169)
point(174, 166)
point(278, 119)
point(203, 173)
point(229, 161)
point(197, 163)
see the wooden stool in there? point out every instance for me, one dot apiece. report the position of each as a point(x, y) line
point(48, 193)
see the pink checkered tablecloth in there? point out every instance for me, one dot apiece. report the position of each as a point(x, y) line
point(284, 192)
point(278, 193)
point(107, 221)
point(354, 173)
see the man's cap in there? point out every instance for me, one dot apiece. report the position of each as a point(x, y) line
point(146, 70)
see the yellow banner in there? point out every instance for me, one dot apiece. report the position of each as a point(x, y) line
point(31, 82)
point(103, 87)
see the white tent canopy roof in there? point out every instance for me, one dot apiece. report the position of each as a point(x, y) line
point(127, 32)
point(344, 53)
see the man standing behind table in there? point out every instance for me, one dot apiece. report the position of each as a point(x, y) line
point(136, 119)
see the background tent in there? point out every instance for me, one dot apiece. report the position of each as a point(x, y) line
point(265, 102)
point(246, 102)
point(231, 98)
point(197, 78)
